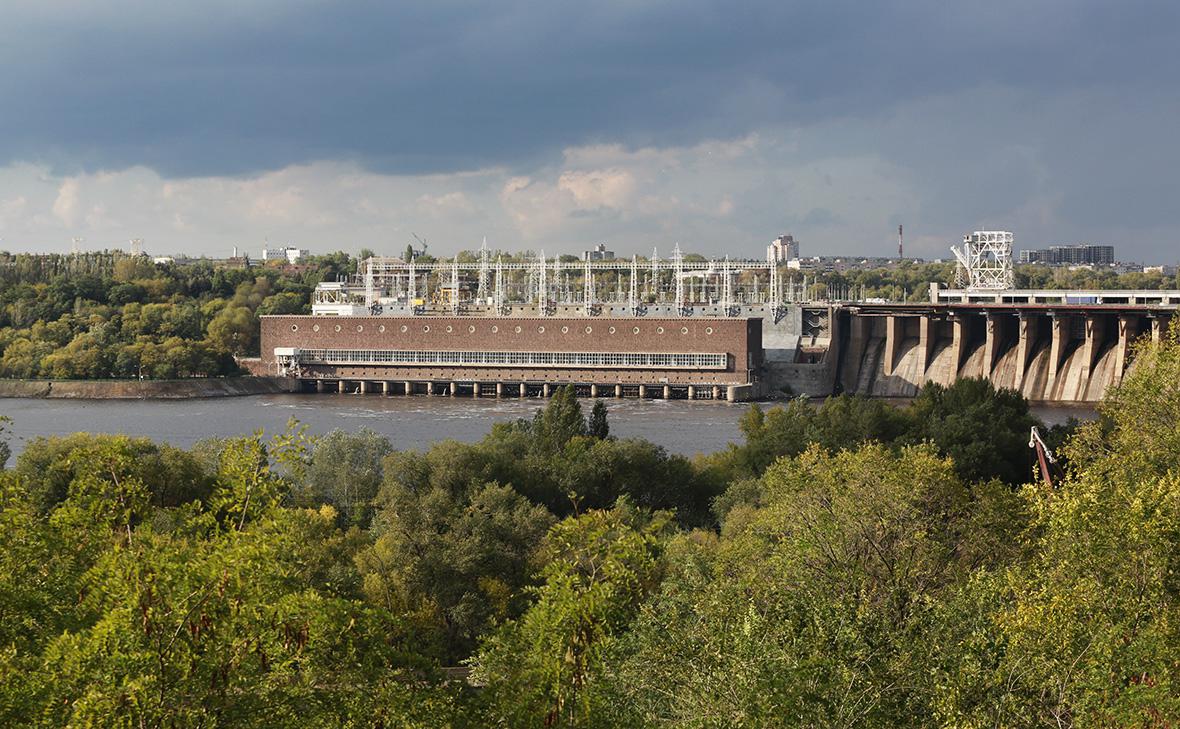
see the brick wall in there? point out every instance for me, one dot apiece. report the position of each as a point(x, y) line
point(740, 339)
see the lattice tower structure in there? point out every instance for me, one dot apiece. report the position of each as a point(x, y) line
point(985, 261)
point(453, 287)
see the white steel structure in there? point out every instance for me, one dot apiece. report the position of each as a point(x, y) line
point(985, 261)
point(542, 285)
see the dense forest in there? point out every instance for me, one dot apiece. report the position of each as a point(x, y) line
point(846, 564)
point(111, 315)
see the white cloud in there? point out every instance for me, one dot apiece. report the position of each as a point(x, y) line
point(65, 207)
point(450, 203)
point(717, 197)
point(590, 189)
point(12, 208)
point(632, 199)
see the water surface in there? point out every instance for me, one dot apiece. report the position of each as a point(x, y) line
point(409, 422)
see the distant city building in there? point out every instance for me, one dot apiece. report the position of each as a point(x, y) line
point(1164, 270)
point(177, 260)
point(289, 254)
point(783, 248)
point(600, 253)
point(1081, 254)
point(841, 264)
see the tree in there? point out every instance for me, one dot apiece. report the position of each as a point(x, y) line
point(5, 450)
point(345, 470)
point(1089, 628)
point(455, 561)
point(38, 577)
point(234, 330)
point(813, 605)
point(131, 268)
point(540, 670)
point(48, 466)
point(222, 631)
point(246, 486)
point(119, 607)
point(984, 430)
point(560, 420)
point(286, 302)
point(597, 425)
point(843, 421)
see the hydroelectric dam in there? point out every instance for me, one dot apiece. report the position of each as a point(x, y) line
point(1052, 346)
point(697, 330)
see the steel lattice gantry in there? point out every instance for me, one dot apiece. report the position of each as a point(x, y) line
point(493, 285)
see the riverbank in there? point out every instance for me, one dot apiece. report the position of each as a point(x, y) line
point(144, 389)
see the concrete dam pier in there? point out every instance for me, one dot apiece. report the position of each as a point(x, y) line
point(1048, 352)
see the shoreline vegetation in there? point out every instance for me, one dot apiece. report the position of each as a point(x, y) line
point(850, 564)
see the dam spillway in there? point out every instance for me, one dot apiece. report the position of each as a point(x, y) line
point(1063, 352)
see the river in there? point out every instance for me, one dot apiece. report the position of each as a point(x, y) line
point(409, 422)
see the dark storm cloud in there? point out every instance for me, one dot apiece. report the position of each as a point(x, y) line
point(217, 89)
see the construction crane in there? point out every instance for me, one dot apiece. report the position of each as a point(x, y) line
point(1044, 455)
point(424, 246)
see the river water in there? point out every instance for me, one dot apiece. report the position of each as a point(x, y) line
point(409, 422)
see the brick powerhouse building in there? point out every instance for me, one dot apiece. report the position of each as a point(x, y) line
point(716, 357)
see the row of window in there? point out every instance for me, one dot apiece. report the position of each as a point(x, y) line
point(495, 329)
point(645, 360)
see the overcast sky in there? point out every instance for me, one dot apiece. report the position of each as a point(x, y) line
point(555, 125)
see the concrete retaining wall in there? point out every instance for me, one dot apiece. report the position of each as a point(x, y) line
point(145, 389)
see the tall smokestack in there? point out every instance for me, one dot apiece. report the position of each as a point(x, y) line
point(900, 250)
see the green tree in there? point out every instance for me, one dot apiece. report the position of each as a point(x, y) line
point(246, 486)
point(234, 330)
point(843, 421)
point(5, 450)
point(287, 302)
point(222, 631)
point(345, 470)
point(560, 420)
point(38, 577)
point(597, 425)
point(48, 467)
point(984, 430)
point(814, 604)
point(541, 669)
point(1090, 632)
point(454, 560)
